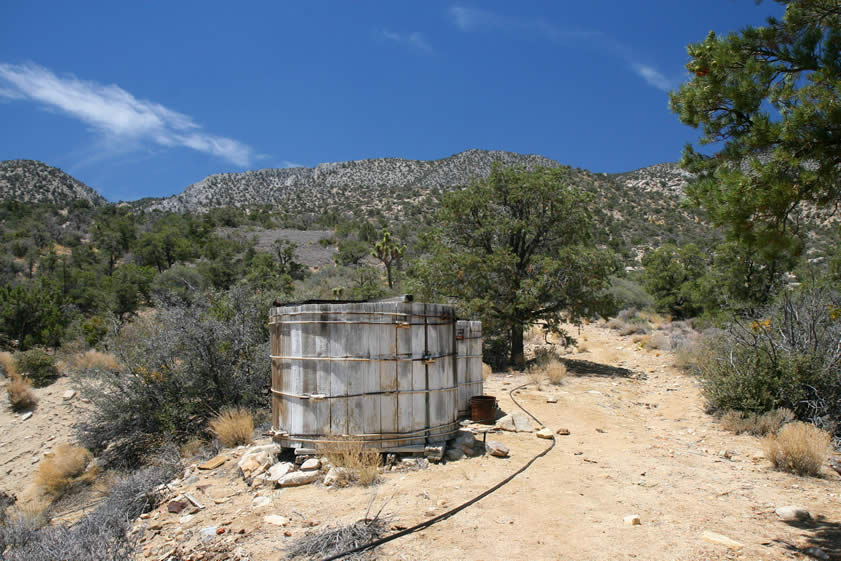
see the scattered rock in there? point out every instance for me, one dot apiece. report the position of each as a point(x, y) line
point(260, 481)
point(720, 539)
point(185, 519)
point(208, 533)
point(297, 478)
point(793, 513)
point(276, 520)
point(279, 470)
point(176, 507)
point(545, 433)
point(311, 464)
point(551, 399)
point(817, 553)
point(454, 454)
point(515, 422)
point(258, 459)
point(497, 449)
point(632, 520)
point(26, 416)
point(213, 463)
point(68, 395)
point(562, 432)
point(260, 502)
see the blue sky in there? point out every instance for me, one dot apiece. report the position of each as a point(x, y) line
point(143, 98)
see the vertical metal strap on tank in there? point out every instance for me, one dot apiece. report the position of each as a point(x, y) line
point(426, 366)
point(454, 381)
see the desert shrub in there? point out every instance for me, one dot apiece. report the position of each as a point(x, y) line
point(7, 364)
point(177, 370)
point(20, 394)
point(763, 424)
point(91, 359)
point(630, 294)
point(233, 427)
point(799, 447)
point(362, 462)
point(191, 448)
point(61, 468)
point(102, 535)
point(787, 356)
point(556, 372)
point(38, 366)
point(659, 341)
point(486, 371)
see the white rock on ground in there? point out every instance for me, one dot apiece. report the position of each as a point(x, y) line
point(311, 464)
point(632, 520)
point(260, 502)
point(515, 422)
point(721, 539)
point(69, 394)
point(279, 470)
point(497, 449)
point(276, 520)
point(258, 459)
point(793, 513)
point(297, 478)
point(551, 399)
point(545, 433)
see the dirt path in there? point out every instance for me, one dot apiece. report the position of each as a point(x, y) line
point(640, 443)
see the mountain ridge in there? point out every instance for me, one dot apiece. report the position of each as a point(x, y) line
point(33, 181)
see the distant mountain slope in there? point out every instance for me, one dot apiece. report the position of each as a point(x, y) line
point(30, 181)
point(328, 181)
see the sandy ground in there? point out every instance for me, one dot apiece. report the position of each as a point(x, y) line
point(640, 443)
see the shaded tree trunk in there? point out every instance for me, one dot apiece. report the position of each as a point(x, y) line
point(518, 357)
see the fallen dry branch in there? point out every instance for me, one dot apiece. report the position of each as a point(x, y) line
point(333, 540)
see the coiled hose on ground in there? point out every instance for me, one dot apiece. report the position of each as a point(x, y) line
point(441, 517)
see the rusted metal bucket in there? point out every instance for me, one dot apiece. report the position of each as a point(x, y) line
point(482, 408)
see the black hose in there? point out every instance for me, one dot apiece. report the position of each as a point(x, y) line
point(459, 508)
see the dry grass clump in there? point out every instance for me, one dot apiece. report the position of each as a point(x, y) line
point(67, 465)
point(659, 341)
point(233, 427)
point(798, 447)
point(547, 368)
point(20, 393)
point(8, 365)
point(759, 425)
point(486, 371)
point(191, 448)
point(361, 461)
point(556, 371)
point(94, 359)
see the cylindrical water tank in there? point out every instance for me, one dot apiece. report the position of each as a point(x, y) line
point(383, 373)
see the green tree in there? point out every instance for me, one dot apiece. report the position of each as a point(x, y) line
point(672, 275)
point(517, 249)
point(769, 96)
point(389, 252)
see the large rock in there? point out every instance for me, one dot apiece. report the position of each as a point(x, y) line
point(311, 464)
point(297, 478)
point(497, 449)
point(279, 470)
point(793, 513)
point(454, 454)
point(258, 459)
point(337, 476)
point(515, 422)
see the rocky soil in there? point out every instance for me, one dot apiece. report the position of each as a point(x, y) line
point(639, 471)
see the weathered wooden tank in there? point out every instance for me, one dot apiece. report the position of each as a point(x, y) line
point(391, 374)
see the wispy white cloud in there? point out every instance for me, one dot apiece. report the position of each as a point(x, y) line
point(474, 19)
point(116, 114)
point(414, 39)
point(652, 76)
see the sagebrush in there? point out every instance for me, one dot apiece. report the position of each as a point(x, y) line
point(787, 355)
point(799, 447)
point(178, 369)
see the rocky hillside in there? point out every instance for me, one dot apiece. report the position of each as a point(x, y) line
point(30, 181)
point(340, 182)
